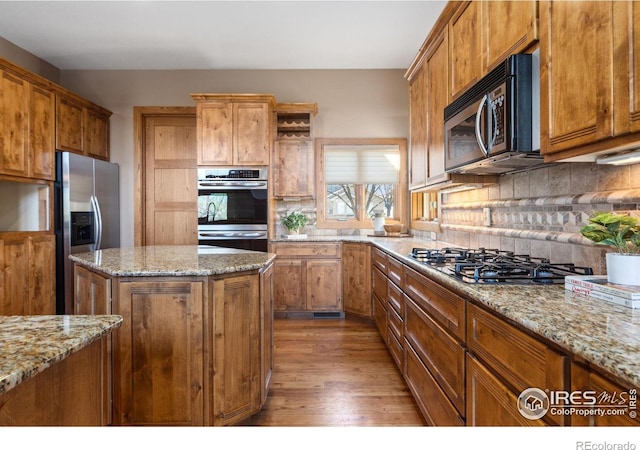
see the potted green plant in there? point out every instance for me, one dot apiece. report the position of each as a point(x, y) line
point(621, 232)
point(294, 222)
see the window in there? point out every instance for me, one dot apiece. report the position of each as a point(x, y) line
point(358, 177)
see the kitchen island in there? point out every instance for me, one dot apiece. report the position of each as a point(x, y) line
point(52, 369)
point(195, 346)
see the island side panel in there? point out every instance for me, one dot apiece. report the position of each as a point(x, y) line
point(69, 393)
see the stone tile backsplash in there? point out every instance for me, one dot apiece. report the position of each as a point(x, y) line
point(540, 212)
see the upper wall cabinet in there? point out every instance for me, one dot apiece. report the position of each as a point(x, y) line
point(293, 158)
point(81, 127)
point(26, 127)
point(465, 47)
point(626, 82)
point(499, 40)
point(233, 129)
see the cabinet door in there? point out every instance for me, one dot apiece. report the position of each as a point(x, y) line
point(158, 353)
point(92, 292)
point(626, 93)
point(465, 47)
point(437, 61)
point(293, 169)
point(14, 125)
point(502, 41)
point(42, 107)
point(289, 285)
point(42, 275)
point(251, 134)
point(418, 128)
point(236, 349)
point(324, 285)
point(380, 316)
point(489, 402)
point(96, 135)
point(68, 125)
point(14, 296)
point(356, 267)
point(576, 66)
point(215, 133)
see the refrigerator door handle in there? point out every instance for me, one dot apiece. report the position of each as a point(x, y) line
point(96, 207)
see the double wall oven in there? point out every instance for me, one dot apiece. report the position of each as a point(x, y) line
point(232, 207)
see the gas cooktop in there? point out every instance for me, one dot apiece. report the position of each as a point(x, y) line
point(492, 266)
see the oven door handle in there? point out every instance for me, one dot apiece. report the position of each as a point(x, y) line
point(484, 149)
point(233, 234)
point(249, 184)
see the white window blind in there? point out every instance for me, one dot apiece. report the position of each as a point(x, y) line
point(371, 164)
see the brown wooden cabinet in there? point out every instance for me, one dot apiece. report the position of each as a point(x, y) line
point(27, 274)
point(234, 129)
point(356, 276)
point(26, 127)
point(81, 126)
point(610, 396)
point(293, 156)
point(465, 47)
point(521, 360)
point(500, 41)
point(92, 292)
point(236, 351)
point(159, 363)
point(626, 57)
point(266, 295)
point(307, 277)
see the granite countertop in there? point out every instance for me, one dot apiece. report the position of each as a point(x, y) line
point(604, 334)
point(180, 260)
point(31, 344)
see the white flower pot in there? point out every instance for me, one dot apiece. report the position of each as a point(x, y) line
point(623, 269)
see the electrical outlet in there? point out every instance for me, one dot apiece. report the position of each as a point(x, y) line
point(486, 215)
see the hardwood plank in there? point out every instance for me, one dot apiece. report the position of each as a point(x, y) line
point(334, 372)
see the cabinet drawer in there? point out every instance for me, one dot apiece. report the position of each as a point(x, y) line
point(438, 351)
point(380, 317)
point(397, 350)
point(434, 404)
point(521, 360)
point(307, 250)
point(491, 403)
point(380, 284)
point(379, 259)
point(443, 305)
point(396, 324)
point(394, 271)
point(395, 297)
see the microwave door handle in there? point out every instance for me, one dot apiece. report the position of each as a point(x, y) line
point(478, 132)
point(493, 125)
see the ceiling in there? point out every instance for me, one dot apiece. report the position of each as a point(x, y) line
point(137, 35)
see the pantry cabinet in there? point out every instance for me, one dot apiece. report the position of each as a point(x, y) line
point(307, 277)
point(81, 127)
point(233, 129)
point(27, 274)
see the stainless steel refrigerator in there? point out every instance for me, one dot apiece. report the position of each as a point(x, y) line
point(87, 215)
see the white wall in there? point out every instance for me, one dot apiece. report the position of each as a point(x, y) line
point(351, 103)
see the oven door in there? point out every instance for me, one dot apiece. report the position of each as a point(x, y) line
point(232, 203)
point(246, 237)
point(466, 135)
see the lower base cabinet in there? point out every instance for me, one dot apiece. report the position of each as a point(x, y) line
point(191, 351)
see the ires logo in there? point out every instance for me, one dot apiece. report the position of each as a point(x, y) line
point(534, 403)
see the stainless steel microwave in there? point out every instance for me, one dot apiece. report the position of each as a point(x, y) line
point(494, 127)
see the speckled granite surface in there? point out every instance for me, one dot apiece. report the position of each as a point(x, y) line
point(184, 260)
point(31, 344)
point(602, 333)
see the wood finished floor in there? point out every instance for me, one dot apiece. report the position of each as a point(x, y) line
point(333, 372)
